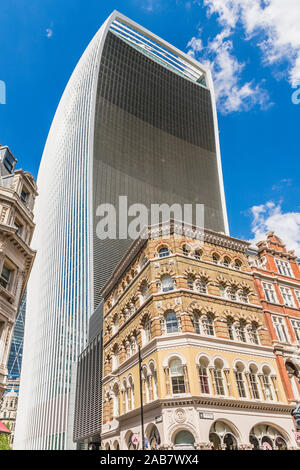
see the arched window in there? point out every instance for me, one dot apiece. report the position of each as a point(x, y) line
point(198, 254)
point(201, 286)
point(237, 265)
point(115, 401)
point(218, 378)
point(203, 375)
point(232, 293)
point(115, 358)
point(147, 330)
point(154, 438)
point(115, 325)
point(167, 283)
point(190, 282)
point(163, 252)
point(171, 323)
point(208, 325)
point(222, 436)
point(252, 333)
point(240, 380)
point(222, 289)
point(177, 376)
point(144, 291)
point(184, 440)
point(226, 261)
point(154, 381)
point(130, 394)
point(240, 330)
point(253, 382)
point(266, 437)
point(196, 322)
point(243, 296)
point(267, 385)
point(215, 258)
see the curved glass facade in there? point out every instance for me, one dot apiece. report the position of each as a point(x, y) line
point(133, 123)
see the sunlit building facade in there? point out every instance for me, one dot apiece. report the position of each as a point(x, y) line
point(137, 118)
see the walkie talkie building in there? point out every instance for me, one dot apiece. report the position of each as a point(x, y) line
point(137, 118)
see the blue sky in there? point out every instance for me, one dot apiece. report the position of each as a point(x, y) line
point(253, 47)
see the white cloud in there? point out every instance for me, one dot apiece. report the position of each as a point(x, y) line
point(276, 22)
point(270, 217)
point(49, 32)
point(232, 95)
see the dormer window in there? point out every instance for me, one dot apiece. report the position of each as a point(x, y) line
point(5, 276)
point(9, 162)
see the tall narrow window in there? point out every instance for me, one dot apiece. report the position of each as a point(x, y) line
point(177, 376)
point(239, 376)
point(243, 296)
point(267, 384)
point(296, 327)
point(147, 328)
point(5, 276)
point(203, 376)
point(254, 383)
point(287, 296)
point(283, 267)
point(167, 283)
point(280, 328)
point(196, 321)
point(269, 292)
point(218, 379)
point(230, 328)
point(171, 323)
point(198, 254)
point(226, 262)
point(215, 258)
point(252, 332)
point(240, 330)
point(208, 325)
point(185, 250)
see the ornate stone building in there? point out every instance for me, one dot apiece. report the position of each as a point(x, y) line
point(17, 194)
point(209, 375)
point(277, 278)
point(8, 412)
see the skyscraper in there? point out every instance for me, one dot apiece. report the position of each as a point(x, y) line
point(16, 349)
point(137, 118)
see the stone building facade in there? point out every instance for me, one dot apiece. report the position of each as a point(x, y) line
point(209, 376)
point(17, 195)
point(8, 412)
point(277, 277)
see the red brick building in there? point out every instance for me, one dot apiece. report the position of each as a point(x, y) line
point(277, 278)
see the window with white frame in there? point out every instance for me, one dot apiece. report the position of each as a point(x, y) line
point(280, 327)
point(254, 382)
point(208, 325)
point(297, 293)
point(196, 321)
point(267, 386)
point(287, 296)
point(190, 282)
point(177, 376)
point(171, 323)
point(240, 380)
point(296, 327)
point(243, 296)
point(240, 330)
point(219, 379)
point(252, 333)
point(269, 292)
point(283, 267)
point(203, 375)
point(167, 283)
point(163, 252)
